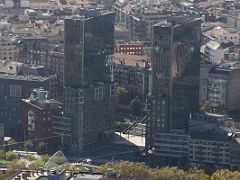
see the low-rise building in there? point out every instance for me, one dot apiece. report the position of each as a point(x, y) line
point(219, 84)
point(33, 50)
point(214, 52)
point(132, 72)
point(10, 67)
point(37, 112)
point(205, 149)
point(131, 48)
point(224, 34)
point(233, 53)
point(18, 85)
point(7, 47)
point(209, 150)
point(171, 148)
point(223, 86)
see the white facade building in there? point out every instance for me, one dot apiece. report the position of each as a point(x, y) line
point(7, 47)
point(214, 52)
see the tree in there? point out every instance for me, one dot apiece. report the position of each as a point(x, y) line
point(72, 168)
point(10, 144)
point(136, 106)
point(2, 154)
point(223, 174)
point(130, 170)
point(41, 146)
point(28, 145)
point(11, 156)
point(14, 166)
point(197, 175)
point(31, 157)
point(45, 158)
point(36, 165)
point(58, 160)
point(123, 95)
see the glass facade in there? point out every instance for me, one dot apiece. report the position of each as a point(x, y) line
point(88, 44)
point(175, 76)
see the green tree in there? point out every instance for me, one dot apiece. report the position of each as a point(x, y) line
point(15, 166)
point(45, 158)
point(168, 173)
point(36, 165)
point(41, 146)
point(223, 174)
point(10, 144)
point(31, 157)
point(11, 156)
point(58, 160)
point(197, 175)
point(72, 168)
point(123, 95)
point(130, 170)
point(136, 106)
point(28, 145)
point(2, 154)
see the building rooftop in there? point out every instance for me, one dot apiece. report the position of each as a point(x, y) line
point(213, 45)
point(163, 24)
point(225, 67)
point(131, 60)
point(216, 31)
point(220, 71)
point(210, 136)
point(34, 70)
point(39, 98)
point(22, 78)
point(10, 67)
point(83, 18)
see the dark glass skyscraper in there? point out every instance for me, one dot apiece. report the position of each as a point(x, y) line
point(89, 94)
point(175, 75)
point(88, 42)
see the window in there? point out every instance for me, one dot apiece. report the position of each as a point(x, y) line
point(80, 97)
point(15, 90)
point(98, 93)
point(112, 90)
point(31, 120)
point(79, 100)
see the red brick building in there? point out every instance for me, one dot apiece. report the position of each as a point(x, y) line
point(37, 112)
point(132, 49)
